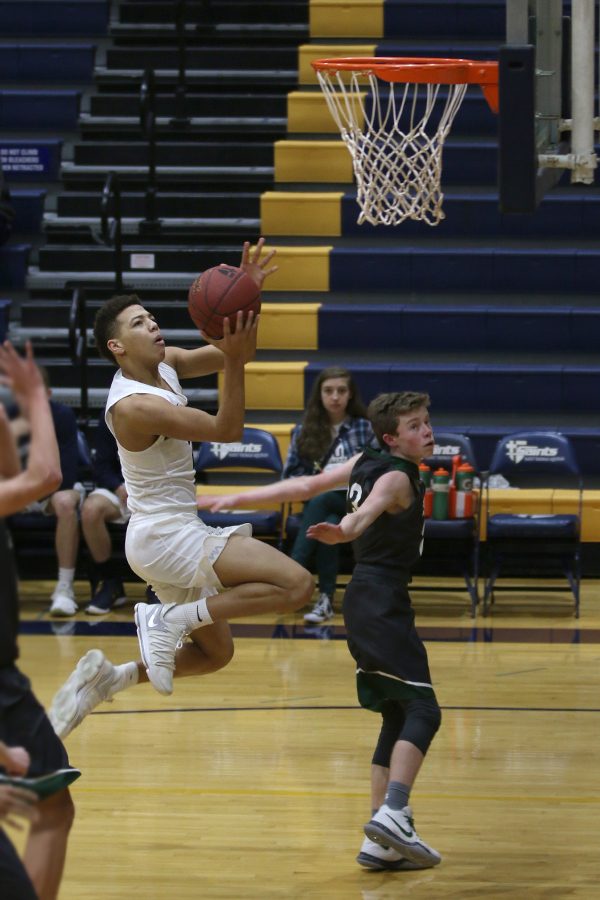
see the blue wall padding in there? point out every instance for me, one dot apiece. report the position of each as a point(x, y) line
point(34, 109)
point(480, 19)
point(49, 17)
point(49, 62)
point(13, 265)
point(405, 268)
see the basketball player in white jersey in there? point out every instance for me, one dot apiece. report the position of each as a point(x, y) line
point(202, 576)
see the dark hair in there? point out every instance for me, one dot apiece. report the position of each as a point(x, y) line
point(385, 410)
point(314, 439)
point(106, 317)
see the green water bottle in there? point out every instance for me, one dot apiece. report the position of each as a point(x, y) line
point(441, 486)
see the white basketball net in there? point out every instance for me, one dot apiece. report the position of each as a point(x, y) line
point(395, 143)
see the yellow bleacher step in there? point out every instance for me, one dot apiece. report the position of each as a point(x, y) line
point(299, 213)
point(273, 385)
point(288, 326)
point(300, 268)
point(308, 113)
point(312, 162)
point(308, 52)
point(346, 18)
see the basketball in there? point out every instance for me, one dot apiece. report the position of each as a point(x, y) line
point(218, 293)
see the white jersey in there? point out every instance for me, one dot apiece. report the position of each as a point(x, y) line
point(160, 479)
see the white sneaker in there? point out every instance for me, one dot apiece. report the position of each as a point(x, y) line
point(63, 601)
point(375, 856)
point(321, 611)
point(395, 828)
point(158, 639)
point(88, 685)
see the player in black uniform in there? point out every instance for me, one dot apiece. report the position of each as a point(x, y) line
point(30, 745)
point(385, 523)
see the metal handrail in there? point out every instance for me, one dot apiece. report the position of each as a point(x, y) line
point(110, 204)
point(180, 119)
point(150, 221)
point(78, 348)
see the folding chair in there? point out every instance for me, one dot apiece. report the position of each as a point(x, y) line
point(256, 459)
point(453, 544)
point(544, 542)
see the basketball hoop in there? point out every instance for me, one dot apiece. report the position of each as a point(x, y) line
point(396, 135)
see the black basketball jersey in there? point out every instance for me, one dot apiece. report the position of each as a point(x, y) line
point(391, 541)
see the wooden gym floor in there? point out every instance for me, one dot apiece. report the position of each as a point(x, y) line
point(253, 783)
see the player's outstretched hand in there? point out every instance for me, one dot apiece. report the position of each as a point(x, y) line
point(327, 533)
point(215, 503)
point(20, 373)
point(258, 269)
point(16, 801)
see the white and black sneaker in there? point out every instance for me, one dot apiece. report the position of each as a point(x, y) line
point(395, 828)
point(385, 859)
point(321, 611)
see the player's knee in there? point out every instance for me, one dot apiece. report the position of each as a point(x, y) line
point(64, 504)
point(57, 812)
point(301, 589)
point(91, 514)
point(220, 653)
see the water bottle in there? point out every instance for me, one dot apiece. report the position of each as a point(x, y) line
point(425, 476)
point(464, 491)
point(441, 487)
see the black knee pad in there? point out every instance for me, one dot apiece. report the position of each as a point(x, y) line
point(393, 722)
point(423, 718)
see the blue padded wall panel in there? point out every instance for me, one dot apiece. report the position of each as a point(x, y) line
point(450, 387)
point(534, 270)
point(519, 389)
point(47, 62)
point(587, 267)
point(381, 269)
point(34, 110)
point(444, 269)
point(60, 17)
point(13, 265)
point(585, 329)
point(581, 388)
point(529, 330)
point(443, 328)
point(29, 209)
point(481, 19)
point(354, 328)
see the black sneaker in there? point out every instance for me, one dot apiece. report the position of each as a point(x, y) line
point(110, 595)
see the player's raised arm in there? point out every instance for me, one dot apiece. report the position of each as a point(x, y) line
point(43, 474)
point(392, 493)
point(301, 488)
point(209, 359)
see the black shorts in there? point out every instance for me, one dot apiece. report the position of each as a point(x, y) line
point(391, 660)
point(24, 723)
point(14, 880)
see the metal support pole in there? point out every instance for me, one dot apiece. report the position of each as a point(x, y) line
point(582, 91)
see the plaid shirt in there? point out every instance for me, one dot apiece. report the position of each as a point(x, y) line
point(352, 437)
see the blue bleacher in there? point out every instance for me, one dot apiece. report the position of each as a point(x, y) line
point(4, 317)
point(53, 17)
point(30, 159)
point(35, 110)
point(21, 62)
point(13, 265)
point(28, 204)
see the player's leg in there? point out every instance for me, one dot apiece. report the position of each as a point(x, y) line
point(64, 505)
point(15, 883)
point(327, 507)
point(96, 679)
point(25, 724)
point(97, 511)
point(392, 825)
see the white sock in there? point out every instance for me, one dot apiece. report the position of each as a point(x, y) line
point(190, 615)
point(126, 676)
point(66, 576)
